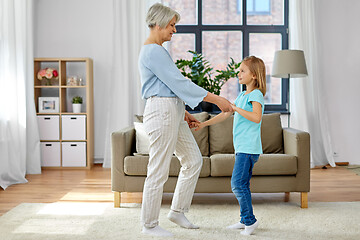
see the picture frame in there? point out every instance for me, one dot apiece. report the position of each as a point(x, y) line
point(48, 104)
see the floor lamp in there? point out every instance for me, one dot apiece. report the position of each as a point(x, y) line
point(289, 64)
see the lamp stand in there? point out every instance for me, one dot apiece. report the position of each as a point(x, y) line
point(289, 63)
point(288, 100)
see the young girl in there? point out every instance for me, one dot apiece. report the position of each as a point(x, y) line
point(249, 108)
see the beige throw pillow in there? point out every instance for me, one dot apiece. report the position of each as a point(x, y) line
point(201, 136)
point(221, 137)
point(272, 133)
point(138, 118)
point(142, 139)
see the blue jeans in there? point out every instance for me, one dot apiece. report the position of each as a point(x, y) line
point(240, 185)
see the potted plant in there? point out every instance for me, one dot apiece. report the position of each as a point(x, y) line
point(76, 104)
point(199, 70)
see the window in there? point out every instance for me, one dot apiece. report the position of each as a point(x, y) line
point(257, 7)
point(220, 29)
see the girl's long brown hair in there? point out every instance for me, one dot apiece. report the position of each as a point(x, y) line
point(257, 67)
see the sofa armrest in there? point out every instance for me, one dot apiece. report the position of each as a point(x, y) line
point(297, 143)
point(122, 145)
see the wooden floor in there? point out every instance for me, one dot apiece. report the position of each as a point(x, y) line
point(327, 185)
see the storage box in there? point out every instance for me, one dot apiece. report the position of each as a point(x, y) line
point(74, 154)
point(49, 127)
point(73, 127)
point(50, 154)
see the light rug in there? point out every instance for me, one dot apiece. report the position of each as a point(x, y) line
point(63, 220)
point(354, 168)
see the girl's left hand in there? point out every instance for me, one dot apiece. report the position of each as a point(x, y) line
point(199, 126)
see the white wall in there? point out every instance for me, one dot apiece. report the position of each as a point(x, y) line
point(78, 28)
point(83, 28)
point(339, 52)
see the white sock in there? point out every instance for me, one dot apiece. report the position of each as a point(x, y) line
point(180, 219)
point(237, 225)
point(156, 231)
point(250, 229)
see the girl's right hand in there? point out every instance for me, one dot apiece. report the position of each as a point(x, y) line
point(233, 107)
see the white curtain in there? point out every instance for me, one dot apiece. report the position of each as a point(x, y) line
point(123, 98)
point(309, 110)
point(19, 137)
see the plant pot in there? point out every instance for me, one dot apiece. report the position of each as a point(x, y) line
point(76, 107)
point(216, 109)
point(196, 109)
point(206, 106)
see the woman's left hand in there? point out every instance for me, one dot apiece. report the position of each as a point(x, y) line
point(191, 120)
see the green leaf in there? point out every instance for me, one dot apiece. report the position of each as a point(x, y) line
point(199, 70)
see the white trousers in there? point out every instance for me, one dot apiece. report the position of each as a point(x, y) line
point(169, 134)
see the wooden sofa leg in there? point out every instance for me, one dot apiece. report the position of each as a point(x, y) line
point(304, 200)
point(287, 196)
point(117, 199)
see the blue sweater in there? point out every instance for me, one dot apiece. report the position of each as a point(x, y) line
point(161, 77)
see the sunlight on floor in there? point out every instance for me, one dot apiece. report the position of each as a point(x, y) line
point(77, 195)
point(63, 218)
point(72, 209)
point(78, 226)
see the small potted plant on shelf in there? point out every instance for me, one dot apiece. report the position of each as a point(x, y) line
point(47, 74)
point(199, 70)
point(76, 104)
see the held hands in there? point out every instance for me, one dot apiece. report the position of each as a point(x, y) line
point(221, 102)
point(191, 120)
point(218, 118)
point(200, 126)
point(224, 105)
point(233, 106)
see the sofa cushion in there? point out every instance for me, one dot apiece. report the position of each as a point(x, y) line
point(201, 136)
point(137, 166)
point(268, 164)
point(276, 164)
point(221, 137)
point(272, 133)
point(142, 139)
point(138, 118)
point(222, 165)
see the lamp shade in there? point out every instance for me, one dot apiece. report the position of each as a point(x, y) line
point(289, 64)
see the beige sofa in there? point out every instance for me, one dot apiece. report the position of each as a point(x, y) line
point(283, 167)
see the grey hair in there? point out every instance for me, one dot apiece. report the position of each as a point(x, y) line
point(160, 15)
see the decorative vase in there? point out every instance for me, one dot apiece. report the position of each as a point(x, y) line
point(47, 82)
point(76, 107)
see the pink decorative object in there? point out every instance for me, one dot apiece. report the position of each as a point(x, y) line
point(47, 74)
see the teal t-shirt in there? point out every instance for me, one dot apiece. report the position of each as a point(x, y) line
point(247, 134)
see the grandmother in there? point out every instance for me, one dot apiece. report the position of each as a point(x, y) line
point(167, 123)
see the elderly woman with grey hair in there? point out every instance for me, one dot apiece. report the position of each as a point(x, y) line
point(167, 123)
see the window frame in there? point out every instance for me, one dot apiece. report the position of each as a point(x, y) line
point(246, 31)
